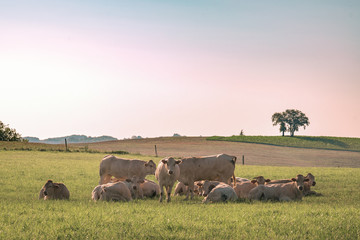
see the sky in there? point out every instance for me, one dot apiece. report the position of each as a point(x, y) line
point(196, 68)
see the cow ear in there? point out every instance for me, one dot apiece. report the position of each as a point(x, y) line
point(178, 161)
point(253, 181)
point(49, 181)
point(293, 179)
point(267, 180)
point(163, 161)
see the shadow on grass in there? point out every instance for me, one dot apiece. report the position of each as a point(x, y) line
point(325, 140)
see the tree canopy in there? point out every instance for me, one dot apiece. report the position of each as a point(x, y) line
point(8, 134)
point(290, 120)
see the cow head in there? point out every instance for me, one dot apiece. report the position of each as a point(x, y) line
point(299, 180)
point(150, 167)
point(95, 195)
point(134, 186)
point(260, 180)
point(207, 186)
point(49, 188)
point(102, 193)
point(170, 164)
point(311, 179)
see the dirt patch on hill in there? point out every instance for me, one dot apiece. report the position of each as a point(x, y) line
point(254, 154)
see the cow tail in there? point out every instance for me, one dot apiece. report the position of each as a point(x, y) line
point(234, 178)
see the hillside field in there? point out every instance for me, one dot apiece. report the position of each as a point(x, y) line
point(254, 153)
point(335, 215)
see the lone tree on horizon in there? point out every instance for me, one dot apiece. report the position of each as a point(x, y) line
point(290, 121)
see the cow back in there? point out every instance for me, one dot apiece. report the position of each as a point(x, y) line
point(217, 168)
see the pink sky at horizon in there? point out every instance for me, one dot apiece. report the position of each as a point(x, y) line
point(155, 69)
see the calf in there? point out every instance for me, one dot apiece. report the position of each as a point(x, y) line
point(281, 192)
point(207, 186)
point(118, 191)
point(242, 189)
point(221, 193)
point(150, 189)
point(181, 189)
point(167, 173)
point(53, 190)
point(124, 168)
point(307, 185)
point(133, 185)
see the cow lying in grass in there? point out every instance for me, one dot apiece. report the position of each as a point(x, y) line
point(243, 189)
point(280, 192)
point(150, 189)
point(53, 191)
point(181, 189)
point(116, 191)
point(221, 193)
point(307, 184)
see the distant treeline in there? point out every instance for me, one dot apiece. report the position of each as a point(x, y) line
point(71, 139)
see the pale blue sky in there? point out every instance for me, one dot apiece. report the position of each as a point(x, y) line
point(154, 68)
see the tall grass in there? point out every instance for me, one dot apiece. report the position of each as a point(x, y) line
point(330, 143)
point(335, 215)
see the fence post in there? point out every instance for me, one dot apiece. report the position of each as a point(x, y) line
point(156, 151)
point(66, 146)
point(243, 159)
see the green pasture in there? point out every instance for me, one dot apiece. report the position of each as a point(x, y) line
point(329, 143)
point(335, 215)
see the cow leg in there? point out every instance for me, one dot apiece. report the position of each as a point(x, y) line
point(104, 179)
point(191, 189)
point(187, 193)
point(161, 192)
point(169, 193)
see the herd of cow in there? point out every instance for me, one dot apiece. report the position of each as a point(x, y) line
point(211, 176)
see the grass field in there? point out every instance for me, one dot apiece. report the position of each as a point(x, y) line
point(329, 143)
point(335, 215)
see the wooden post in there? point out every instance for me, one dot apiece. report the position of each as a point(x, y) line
point(66, 146)
point(243, 159)
point(156, 151)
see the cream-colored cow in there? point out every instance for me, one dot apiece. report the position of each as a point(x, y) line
point(280, 192)
point(221, 193)
point(242, 189)
point(53, 190)
point(219, 167)
point(167, 173)
point(124, 168)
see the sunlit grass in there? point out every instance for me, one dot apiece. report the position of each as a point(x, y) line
point(335, 215)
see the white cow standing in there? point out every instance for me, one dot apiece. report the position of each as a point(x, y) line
point(167, 173)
